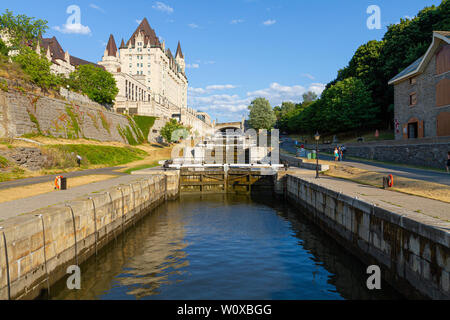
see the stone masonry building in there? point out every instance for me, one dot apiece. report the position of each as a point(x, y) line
point(151, 81)
point(422, 93)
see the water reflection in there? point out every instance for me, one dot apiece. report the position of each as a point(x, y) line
point(223, 247)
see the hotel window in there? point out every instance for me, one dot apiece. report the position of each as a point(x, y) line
point(413, 99)
point(413, 80)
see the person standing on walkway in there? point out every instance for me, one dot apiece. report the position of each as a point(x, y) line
point(79, 159)
point(341, 153)
point(448, 162)
point(344, 150)
point(336, 154)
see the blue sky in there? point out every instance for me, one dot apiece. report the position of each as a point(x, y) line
point(235, 49)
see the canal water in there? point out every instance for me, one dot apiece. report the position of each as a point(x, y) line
point(223, 247)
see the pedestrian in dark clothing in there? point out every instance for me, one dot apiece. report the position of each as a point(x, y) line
point(448, 162)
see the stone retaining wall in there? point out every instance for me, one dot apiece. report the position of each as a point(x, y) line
point(24, 112)
point(412, 250)
point(426, 153)
point(72, 234)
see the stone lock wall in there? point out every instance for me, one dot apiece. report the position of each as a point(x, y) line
point(23, 113)
point(35, 250)
point(419, 153)
point(413, 251)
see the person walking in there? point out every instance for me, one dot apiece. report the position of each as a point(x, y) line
point(340, 153)
point(448, 163)
point(336, 154)
point(344, 150)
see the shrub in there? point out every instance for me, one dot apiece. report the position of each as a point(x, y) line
point(37, 68)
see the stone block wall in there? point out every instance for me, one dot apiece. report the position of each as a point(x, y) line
point(432, 155)
point(23, 113)
point(412, 250)
point(425, 110)
point(37, 248)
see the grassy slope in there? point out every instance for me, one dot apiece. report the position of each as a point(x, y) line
point(103, 155)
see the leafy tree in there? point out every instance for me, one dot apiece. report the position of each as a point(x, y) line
point(4, 50)
point(37, 67)
point(283, 113)
point(174, 131)
point(22, 30)
point(309, 97)
point(347, 105)
point(261, 114)
point(98, 84)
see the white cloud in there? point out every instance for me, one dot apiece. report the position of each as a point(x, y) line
point(269, 22)
point(138, 21)
point(308, 75)
point(160, 6)
point(237, 21)
point(317, 88)
point(192, 90)
point(96, 7)
point(276, 93)
point(74, 28)
point(220, 87)
point(233, 105)
point(220, 103)
point(193, 25)
point(211, 88)
point(193, 66)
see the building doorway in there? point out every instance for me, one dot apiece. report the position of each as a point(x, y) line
point(412, 130)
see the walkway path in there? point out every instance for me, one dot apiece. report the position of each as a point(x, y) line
point(27, 205)
point(381, 197)
point(406, 172)
point(112, 171)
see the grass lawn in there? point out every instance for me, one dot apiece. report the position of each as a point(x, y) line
point(103, 155)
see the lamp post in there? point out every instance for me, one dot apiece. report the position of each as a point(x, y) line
point(317, 137)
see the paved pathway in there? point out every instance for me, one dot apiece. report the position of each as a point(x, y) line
point(385, 198)
point(407, 172)
point(27, 205)
point(50, 178)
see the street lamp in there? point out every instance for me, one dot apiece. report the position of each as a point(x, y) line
point(317, 137)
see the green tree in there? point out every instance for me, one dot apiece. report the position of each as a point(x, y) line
point(262, 115)
point(309, 97)
point(283, 113)
point(346, 106)
point(22, 30)
point(37, 67)
point(98, 84)
point(174, 131)
point(4, 50)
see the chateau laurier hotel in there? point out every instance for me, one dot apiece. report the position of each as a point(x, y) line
point(151, 80)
